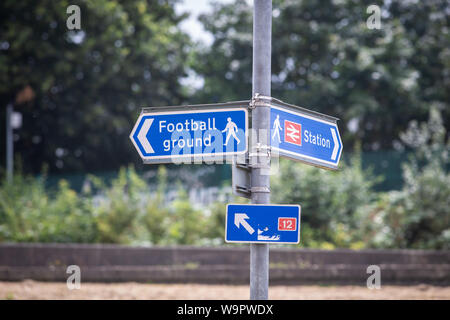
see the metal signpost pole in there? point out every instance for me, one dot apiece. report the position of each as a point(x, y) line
point(9, 143)
point(260, 181)
point(166, 135)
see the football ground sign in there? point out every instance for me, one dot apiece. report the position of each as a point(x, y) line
point(204, 134)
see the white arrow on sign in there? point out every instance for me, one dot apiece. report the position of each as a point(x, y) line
point(142, 135)
point(240, 219)
point(336, 144)
point(293, 133)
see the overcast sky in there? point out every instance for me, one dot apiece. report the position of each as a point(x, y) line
point(195, 29)
point(192, 26)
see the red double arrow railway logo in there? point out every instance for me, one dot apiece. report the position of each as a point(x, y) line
point(293, 132)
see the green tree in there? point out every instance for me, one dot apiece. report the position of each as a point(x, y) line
point(325, 58)
point(156, 216)
point(187, 225)
point(119, 206)
point(80, 91)
point(418, 216)
point(330, 201)
point(215, 225)
point(30, 213)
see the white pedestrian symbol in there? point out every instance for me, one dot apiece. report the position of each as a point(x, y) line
point(277, 128)
point(232, 129)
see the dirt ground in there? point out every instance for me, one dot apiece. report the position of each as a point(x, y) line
point(43, 290)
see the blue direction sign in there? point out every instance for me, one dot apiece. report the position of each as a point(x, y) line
point(167, 136)
point(305, 137)
point(262, 223)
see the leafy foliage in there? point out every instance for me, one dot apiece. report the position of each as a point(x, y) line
point(418, 216)
point(339, 209)
point(325, 58)
point(187, 224)
point(28, 213)
point(118, 207)
point(80, 90)
point(329, 200)
point(156, 214)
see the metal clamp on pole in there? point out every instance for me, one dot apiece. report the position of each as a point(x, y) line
point(259, 100)
point(252, 105)
point(259, 190)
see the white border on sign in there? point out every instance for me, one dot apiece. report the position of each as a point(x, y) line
point(172, 157)
point(303, 157)
point(266, 205)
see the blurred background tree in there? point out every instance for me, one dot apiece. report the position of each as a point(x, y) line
point(418, 215)
point(325, 58)
point(156, 217)
point(330, 200)
point(31, 213)
point(80, 91)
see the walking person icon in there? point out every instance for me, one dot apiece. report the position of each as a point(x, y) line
point(232, 129)
point(277, 128)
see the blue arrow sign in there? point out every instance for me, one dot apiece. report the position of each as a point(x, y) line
point(169, 135)
point(304, 137)
point(262, 223)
